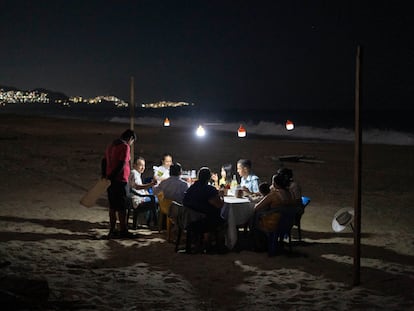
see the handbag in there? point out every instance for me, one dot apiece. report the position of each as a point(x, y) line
point(90, 197)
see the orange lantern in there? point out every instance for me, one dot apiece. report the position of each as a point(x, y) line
point(289, 125)
point(241, 132)
point(166, 122)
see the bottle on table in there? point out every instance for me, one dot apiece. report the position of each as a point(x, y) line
point(233, 185)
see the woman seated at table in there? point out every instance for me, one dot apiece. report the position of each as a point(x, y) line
point(279, 196)
point(226, 174)
point(279, 199)
point(248, 182)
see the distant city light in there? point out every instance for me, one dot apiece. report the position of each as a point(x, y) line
point(164, 104)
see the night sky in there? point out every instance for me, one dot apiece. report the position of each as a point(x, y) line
point(270, 54)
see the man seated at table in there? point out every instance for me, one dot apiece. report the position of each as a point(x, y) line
point(173, 187)
point(205, 199)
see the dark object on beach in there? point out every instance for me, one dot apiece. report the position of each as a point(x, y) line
point(5, 263)
point(23, 293)
point(298, 158)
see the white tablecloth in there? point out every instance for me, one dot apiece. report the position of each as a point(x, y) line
point(236, 211)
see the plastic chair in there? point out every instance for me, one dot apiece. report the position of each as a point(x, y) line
point(283, 231)
point(164, 205)
point(150, 206)
point(186, 218)
point(298, 217)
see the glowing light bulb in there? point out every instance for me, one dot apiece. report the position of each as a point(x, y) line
point(289, 125)
point(166, 122)
point(241, 132)
point(200, 132)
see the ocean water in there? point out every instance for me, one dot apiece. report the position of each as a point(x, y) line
point(378, 127)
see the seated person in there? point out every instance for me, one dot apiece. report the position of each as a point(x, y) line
point(264, 188)
point(278, 199)
point(136, 185)
point(225, 177)
point(205, 199)
point(279, 196)
point(173, 187)
point(248, 182)
point(163, 171)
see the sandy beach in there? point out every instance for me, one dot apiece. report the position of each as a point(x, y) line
point(48, 164)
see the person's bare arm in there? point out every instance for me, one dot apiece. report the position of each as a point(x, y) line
point(145, 186)
point(263, 203)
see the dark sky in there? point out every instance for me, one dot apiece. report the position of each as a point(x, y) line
point(274, 54)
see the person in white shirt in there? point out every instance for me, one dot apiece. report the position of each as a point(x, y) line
point(173, 187)
point(163, 171)
point(136, 185)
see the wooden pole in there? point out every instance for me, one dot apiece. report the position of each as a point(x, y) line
point(131, 115)
point(357, 173)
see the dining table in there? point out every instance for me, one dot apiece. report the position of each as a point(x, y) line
point(236, 211)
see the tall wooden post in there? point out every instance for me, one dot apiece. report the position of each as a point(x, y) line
point(131, 115)
point(357, 173)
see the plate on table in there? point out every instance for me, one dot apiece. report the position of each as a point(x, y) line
point(231, 200)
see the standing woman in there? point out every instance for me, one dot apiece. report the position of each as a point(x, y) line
point(248, 182)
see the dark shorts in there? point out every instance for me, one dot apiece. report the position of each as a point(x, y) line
point(117, 196)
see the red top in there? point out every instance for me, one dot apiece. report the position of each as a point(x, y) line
point(118, 151)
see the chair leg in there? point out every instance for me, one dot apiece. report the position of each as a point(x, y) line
point(127, 216)
point(177, 242)
point(188, 240)
point(168, 225)
point(160, 220)
point(299, 231)
point(134, 219)
point(290, 242)
point(272, 244)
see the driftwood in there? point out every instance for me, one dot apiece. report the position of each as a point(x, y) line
point(297, 158)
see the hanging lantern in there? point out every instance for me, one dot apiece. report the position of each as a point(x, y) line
point(200, 132)
point(166, 122)
point(241, 132)
point(289, 125)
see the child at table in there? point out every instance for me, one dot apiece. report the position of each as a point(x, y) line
point(264, 188)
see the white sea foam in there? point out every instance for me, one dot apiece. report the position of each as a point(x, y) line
point(369, 136)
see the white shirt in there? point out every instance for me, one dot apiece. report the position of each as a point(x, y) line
point(135, 179)
point(161, 172)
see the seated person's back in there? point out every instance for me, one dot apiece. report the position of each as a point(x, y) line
point(279, 196)
point(173, 187)
point(203, 197)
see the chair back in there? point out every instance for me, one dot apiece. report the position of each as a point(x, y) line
point(164, 203)
point(305, 201)
point(286, 222)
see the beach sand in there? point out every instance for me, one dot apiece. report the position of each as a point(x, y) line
point(48, 164)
